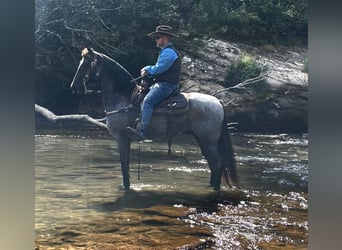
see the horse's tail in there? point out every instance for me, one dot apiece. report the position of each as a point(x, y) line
point(227, 153)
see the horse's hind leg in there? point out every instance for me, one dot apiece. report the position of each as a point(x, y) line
point(211, 153)
point(214, 163)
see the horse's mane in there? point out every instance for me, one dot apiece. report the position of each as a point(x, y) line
point(122, 76)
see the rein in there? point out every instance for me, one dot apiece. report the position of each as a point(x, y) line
point(138, 78)
point(136, 99)
point(122, 110)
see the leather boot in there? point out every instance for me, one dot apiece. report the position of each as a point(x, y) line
point(135, 134)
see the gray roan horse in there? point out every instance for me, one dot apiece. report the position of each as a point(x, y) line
point(204, 118)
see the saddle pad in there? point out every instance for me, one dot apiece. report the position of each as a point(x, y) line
point(176, 103)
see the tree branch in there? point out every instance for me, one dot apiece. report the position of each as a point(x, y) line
point(112, 9)
point(242, 85)
point(76, 29)
point(55, 118)
point(55, 34)
point(230, 102)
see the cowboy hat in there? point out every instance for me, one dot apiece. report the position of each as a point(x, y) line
point(162, 30)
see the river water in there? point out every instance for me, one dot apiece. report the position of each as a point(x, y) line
point(79, 203)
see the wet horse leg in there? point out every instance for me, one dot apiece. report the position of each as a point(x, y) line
point(124, 145)
point(169, 143)
point(211, 153)
point(214, 163)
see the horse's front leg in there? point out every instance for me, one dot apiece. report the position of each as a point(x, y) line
point(124, 145)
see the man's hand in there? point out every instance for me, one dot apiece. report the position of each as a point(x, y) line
point(143, 72)
point(145, 84)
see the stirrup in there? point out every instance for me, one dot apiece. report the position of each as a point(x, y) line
point(134, 134)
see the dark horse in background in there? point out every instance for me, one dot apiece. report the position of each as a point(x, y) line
point(204, 118)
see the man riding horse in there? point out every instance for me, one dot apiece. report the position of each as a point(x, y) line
point(165, 76)
point(203, 116)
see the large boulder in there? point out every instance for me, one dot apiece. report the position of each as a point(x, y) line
point(277, 105)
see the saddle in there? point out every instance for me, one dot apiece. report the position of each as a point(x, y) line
point(175, 104)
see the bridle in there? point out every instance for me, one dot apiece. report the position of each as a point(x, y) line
point(93, 68)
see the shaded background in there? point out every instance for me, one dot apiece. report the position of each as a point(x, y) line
point(119, 29)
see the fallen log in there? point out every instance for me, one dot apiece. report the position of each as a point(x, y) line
point(46, 118)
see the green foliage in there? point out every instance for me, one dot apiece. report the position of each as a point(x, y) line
point(255, 21)
point(242, 69)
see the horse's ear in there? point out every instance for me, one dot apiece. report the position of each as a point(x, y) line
point(86, 51)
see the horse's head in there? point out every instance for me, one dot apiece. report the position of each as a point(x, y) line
point(86, 79)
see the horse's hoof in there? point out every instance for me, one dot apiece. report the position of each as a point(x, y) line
point(122, 187)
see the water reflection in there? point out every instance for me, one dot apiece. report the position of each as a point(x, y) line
point(79, 204)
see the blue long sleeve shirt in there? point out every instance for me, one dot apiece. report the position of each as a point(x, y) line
point(165, 60)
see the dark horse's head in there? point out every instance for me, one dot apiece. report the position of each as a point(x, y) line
point(95, 69)
point(86, 79)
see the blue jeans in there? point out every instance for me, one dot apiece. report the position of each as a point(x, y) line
point(158, 92)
